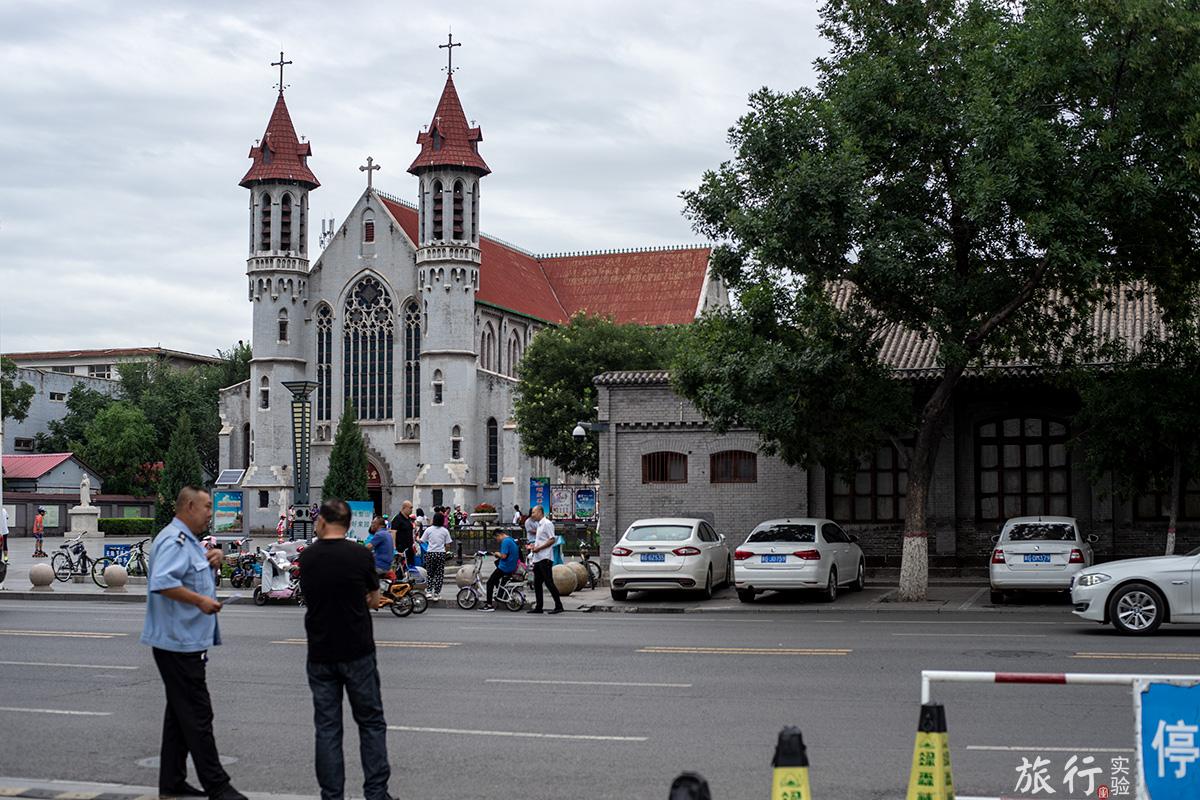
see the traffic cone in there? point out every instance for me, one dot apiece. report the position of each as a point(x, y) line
point(789, 779)
point(690, 786)
point(931, 778)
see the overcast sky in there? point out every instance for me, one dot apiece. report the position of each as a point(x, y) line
point(125, 127)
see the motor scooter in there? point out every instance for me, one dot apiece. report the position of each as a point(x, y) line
point(280, 580)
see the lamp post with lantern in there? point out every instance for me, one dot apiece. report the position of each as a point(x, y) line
point(301, 452)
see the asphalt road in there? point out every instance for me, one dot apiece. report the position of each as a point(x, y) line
point(626, 701)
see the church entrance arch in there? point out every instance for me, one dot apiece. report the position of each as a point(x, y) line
point(375, 487)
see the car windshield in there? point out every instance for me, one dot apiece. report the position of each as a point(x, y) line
point(785, 533)
point(659, 533)
point(1041, 532)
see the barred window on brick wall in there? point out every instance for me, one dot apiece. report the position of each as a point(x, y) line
point(876, 492)
point(733, 466)
point(1154, 505)
point(664, 467)
point(1021, 468)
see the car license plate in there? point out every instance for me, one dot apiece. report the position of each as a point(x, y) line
point(654, 557)
point(1035, 558)
point(774, 559)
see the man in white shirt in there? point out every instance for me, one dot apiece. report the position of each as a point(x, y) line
point(541, 556)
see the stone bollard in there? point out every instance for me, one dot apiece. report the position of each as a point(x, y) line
point(115, 578)
point(41, 576)
point(581, 574)
point(564, 579)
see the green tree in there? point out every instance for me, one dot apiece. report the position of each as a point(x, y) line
point(556, 391)
point(180, 468)
point(347, 477)
point(119, 443)
point(1140, 422)
point(976, 171)
point(83, 404)
point(15, 395)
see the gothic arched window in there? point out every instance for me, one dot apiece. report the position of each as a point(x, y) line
point(412, 361)
point(493, 451)
point(302, 215)
point(437, 387)
point(324, 362)
point(264, 222)
point(487, 349)
point(283, 326)
point(514, 353)
point(285, 223)
point(458, 209)
point(475, 211)
point(437, 210)
point(455, 443)
point(264, 392)
point(367, 343)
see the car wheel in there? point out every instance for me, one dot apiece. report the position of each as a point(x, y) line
point(997, 597)
point(619, 594)
point(860, 581)
point(831, 589)
point(1137, 609)
point(746, 595)
point(707, 592)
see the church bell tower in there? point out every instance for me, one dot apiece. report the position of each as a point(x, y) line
point(448, 169)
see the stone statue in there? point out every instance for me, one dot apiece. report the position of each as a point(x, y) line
point(85, 492)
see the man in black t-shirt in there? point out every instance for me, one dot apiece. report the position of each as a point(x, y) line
point(402, 525)
point(340, 588)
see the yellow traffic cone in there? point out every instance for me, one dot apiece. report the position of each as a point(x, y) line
point(789, 779)
point(931, 778)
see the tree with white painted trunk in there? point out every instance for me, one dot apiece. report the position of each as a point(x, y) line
point(976, 171)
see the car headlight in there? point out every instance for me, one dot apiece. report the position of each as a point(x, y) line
point(1093, 578)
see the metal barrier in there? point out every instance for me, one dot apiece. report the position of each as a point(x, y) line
point(930, 676)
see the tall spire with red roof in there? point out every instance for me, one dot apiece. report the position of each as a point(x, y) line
point(450, 140)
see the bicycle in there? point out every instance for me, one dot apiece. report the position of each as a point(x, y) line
point(72, 560)
point(594, 571)
point(508, 592)
point(134, 561)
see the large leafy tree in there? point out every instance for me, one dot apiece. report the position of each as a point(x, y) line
point(972, 170)
point(119, 443)
point(556, 391)
point(1140, 422)
point(15, 394)
point(181, 468)
point(347, 478)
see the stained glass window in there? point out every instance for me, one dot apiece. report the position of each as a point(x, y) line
point(367, 344)
point(324, 362)
point(412, 361)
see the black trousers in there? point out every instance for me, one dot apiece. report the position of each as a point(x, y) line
point(543, 573)
point(187, 724)
point(495, 580)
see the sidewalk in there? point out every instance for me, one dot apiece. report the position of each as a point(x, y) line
point(79, 790)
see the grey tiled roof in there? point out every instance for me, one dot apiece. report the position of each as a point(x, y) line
point(640, 377)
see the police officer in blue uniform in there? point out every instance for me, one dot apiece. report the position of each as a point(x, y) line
point(181, 625)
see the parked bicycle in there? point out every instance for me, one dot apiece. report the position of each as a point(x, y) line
point(133, 560)
point(595, 573)
point(72, 560)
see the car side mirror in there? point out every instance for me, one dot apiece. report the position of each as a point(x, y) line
point(853, 538)
point(1092, 538)
point(995, 538)
point(720, 537)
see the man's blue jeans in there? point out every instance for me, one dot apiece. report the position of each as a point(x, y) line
point(360, 679)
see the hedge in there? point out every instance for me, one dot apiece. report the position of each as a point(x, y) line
point(127, 526)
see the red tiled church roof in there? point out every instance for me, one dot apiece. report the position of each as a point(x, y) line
point(280, 155)
point(650, 287)
point(450, 140)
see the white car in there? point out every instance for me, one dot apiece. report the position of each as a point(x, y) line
point(1138, 594)
point(1038, 553)
point(800, 553)
point(669, 553)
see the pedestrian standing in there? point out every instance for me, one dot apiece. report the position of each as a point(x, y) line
point(516, 520)
point(281, 529)
point(541, 557)
point(530, 528)
point(39, 531)
point(402, 527)
point(340, 589)
point(181, 626)
point(4, 534)
point(436, 539)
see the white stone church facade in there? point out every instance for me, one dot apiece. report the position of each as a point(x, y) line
point(419, 319)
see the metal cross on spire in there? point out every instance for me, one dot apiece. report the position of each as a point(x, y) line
point(449, 48)
point(369, 168)
point(281, 64)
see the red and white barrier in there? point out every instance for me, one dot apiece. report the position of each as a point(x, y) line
point(930, 676)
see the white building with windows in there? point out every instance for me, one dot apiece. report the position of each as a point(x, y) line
point(418, 319)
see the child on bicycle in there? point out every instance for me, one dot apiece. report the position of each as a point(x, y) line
point(506, 565)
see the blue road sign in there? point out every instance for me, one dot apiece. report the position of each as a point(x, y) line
point(1168, 716)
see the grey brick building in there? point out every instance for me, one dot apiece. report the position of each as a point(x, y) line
point(418, 318)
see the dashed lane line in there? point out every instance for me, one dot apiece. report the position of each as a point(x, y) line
point(414, 645)
point(72, 666)
point(62, 634)
point(518, 734)
point(69, 712)
point(748, 651)
point(590, 683)
point(980, 635)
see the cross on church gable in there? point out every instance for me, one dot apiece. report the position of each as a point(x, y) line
point(281, 64)
point(449, 48)
point(369, 168)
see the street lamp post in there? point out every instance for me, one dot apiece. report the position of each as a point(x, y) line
point(301, 447)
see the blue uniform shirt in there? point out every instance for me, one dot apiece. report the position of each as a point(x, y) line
point(178, 559)
point(385, 549)
point(509, 555)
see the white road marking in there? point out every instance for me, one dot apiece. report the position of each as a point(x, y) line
point(416, 645)
point(981, 635)
point(54, 664)
point(590, 683)
point(750, 651)
point(1035, 749)
point(970, 601)
point(519, 734)
point(535, 627)
point(68, 712)
point(988, 622)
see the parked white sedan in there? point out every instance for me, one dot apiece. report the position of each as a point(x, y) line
point(669, 553)
point(1137, 595)
point(801, 553)
point(1038, 553)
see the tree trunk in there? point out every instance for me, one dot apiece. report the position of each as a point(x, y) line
point(1173, 512)
point(914, 556)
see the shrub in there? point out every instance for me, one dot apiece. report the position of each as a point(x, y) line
point(127, 526)
point(485, 508)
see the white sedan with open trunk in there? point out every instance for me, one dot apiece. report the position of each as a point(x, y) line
point(1039, 554)
point(801, 553)
point(669, 553)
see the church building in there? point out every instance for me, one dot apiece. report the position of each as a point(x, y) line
point(418, 318)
